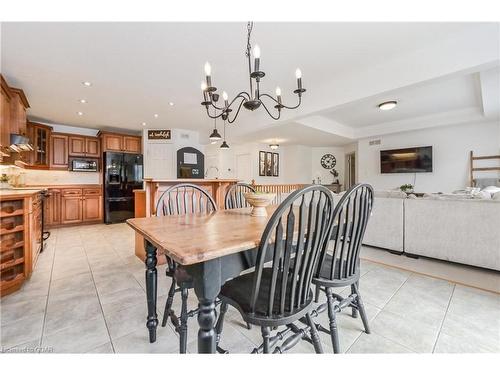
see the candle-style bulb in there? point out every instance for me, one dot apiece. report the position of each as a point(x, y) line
point(298, 73)
point(224, 96)
point(278, 91)
point(203, 86)
point(256, 52)
point(208, 69)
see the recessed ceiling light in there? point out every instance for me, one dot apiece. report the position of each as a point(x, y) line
point(171, 103)
point(86, 83)
point(386, 106)
point(83, 101)
point(79, 113)
point(143, 124)
point(155, 115)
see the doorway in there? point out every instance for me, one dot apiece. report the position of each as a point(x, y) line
point(350, 170)
point(244, 168)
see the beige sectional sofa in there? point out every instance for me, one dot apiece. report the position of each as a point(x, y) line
point(458, 230)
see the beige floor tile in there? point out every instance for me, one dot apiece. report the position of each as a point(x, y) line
point(21, 331)
point(373, 343)
point(78, 338)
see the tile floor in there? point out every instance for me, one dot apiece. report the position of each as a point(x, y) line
point(87, 296)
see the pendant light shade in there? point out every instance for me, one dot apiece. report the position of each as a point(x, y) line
point(215, 136)
point(224, 145)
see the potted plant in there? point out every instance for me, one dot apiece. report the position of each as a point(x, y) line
point(335, 175)
point(407, 188)
point(4, 181)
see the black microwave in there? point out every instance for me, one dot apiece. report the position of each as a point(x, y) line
point(83, 165)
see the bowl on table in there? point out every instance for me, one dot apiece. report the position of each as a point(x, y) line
point(259, 202)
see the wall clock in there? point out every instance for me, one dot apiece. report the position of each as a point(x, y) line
point(328, 161)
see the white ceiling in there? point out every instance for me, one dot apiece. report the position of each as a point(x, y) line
point(138, 68)
point(423, 99)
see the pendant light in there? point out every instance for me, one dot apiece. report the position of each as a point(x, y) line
point(224, 143)
point(215, 136)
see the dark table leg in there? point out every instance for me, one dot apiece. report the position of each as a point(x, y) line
point(151, 289)
point(207, 284)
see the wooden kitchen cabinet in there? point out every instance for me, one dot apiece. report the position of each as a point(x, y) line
point(52, 213)
point(120, 142)
point(71, 209)
point(39, 135)
point(92, 208)
point(92, 147)
point(132, 144)
point(74, 205)
point(76, 145)
point(59, 151)
point(18, 106)
point(5, 100)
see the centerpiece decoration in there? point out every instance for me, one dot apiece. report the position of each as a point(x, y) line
point(259, 201)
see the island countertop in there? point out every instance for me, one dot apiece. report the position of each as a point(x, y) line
point(18, 193)
point(193, 180)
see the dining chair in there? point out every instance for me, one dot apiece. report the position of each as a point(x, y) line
point(339, 265)
point(278, 292)
point(235, 197)
point(181, 199)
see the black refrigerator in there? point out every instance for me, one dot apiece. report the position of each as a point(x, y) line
point(122, 175)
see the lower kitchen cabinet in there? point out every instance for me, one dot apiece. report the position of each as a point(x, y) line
point(74, 205)
point(92, 208)
point(71, 209)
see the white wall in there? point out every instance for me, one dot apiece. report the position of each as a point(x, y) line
point(160, 157)
point(325, 175)
point(451, 146)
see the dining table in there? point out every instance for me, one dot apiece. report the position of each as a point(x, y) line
point(211, 247)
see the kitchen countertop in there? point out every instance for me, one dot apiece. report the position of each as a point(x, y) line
point(18, 193)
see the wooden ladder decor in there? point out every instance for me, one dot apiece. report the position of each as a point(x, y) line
point(473, 169)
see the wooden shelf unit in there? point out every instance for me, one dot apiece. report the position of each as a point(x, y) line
point(473, 169)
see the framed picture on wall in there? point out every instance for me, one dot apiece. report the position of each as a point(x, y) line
point(269, 163)
point(276, 164)
point(262, 163)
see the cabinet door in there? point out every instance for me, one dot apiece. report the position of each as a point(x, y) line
point(132, 144)
point(76, 146)
point(92, 207)
point(40, 136)
point(92, 148)
point(71, 210)
point(5, 119)
point(112, 142)
point(53, 211)
point(17, 114)
point(58, 151)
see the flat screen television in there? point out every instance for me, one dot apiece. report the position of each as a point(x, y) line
point(406, 160)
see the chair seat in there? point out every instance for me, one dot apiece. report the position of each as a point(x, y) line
point(325, 273)
point(238, 293)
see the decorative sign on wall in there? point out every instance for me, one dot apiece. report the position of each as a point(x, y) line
point(269, 164)
point(159, 134)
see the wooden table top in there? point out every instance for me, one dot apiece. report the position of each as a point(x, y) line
point(195, 238)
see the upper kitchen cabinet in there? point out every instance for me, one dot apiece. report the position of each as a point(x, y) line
point(59, 151)
point(5, 117)
point(12, 114)
point(120, 142)
point(39, 135)
point(84, 146)
point(18, 106)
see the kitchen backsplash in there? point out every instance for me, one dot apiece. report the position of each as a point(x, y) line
point(40, 177)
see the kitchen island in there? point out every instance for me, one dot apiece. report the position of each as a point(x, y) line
point(216, 187)
point(20, 236)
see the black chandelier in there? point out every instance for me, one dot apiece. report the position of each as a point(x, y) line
point(250, 100)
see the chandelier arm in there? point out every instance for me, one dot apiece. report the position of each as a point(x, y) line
point(237, 112)
point(284, 106)
point(240, 95)
point(269, 113)
point(213, 117)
